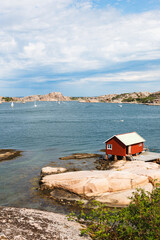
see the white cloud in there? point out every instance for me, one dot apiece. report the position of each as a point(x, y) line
point(7, 43)
point(127, 76)
point(70, 36)
point(34, 50)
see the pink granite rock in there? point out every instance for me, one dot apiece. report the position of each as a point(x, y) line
point(52, 170)
point(113, 186)
point(92, 183)
point(121, 198)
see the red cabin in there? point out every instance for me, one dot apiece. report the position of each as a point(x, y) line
point(124, 144)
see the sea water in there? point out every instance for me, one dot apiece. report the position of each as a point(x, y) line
point(53, 130)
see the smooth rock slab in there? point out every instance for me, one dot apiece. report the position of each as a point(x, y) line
point(93, 183)
point(121, 198)
point(131, 165)
point(148, 169)
point(113, 186)
point(52, 170)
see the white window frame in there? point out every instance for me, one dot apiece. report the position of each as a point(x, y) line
point(109, 146)
point(140, 144)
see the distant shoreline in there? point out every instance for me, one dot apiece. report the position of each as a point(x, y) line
point(148, 104)
point(146, 98)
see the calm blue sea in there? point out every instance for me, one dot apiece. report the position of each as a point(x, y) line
point(54, 130)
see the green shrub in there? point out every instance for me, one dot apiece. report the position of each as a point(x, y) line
point(130, 99)
point(149, 99)
point(7, 99)
point(74, 98)
point(119, 96)
point(140, 220)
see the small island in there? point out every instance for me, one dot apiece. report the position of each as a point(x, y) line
point(9, 154)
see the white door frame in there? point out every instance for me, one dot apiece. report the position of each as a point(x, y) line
point(129, 149)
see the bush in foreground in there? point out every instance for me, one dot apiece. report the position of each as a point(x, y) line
point(140, 220)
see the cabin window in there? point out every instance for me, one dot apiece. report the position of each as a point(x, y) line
point(140, 144)
point(109, 146)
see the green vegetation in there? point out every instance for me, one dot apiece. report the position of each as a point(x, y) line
point(129, 99)
point(126, 97)
point(7, 99)
point(119, 96)
point(140, 220)
point(116, 97)
point(149, 99)
point(74, 98)
point(77, 98)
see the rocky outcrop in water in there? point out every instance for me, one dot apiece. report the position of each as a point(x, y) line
point(8, 154)
point(52, 170)
point(31, 224)
point(113, 187)
point(81, 156)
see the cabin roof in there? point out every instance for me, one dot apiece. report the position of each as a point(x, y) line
point(128, 138)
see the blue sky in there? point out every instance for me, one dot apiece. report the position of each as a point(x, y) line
point(79, 47)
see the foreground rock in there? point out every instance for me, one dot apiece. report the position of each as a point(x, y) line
point(30, 224)
point(81, 156)
point(121, 198)
point(8, 154)
point(93, 183)
point(113, 187)
point(148, 169)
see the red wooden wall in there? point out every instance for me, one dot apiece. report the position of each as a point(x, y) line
point(118, 148)
point(136, 148)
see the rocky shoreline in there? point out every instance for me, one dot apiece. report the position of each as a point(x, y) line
point(31, 224)
point(81, 156)
point(135, 97)
point(113, 187)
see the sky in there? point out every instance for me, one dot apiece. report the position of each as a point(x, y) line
point(79, 47)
